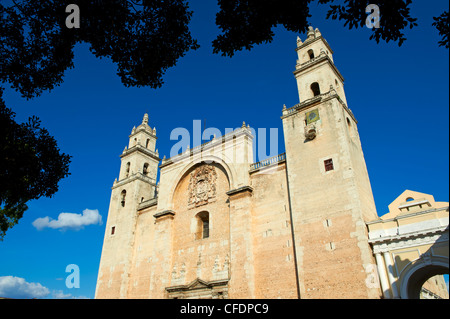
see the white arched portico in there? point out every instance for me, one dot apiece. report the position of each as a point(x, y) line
point(419, 271)
point(410, 244)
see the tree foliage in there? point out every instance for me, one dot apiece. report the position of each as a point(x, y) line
point(395, 17)
point(146, 37)
point(245, 23)
point(143, 39)
point(31, 165)
point(442, 23)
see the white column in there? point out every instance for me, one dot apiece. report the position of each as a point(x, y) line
point(383, 276)
point(390, 270)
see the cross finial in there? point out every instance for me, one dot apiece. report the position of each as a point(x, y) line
point(311, 33)
point(145, 119)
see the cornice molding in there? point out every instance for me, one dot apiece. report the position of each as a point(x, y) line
point(166, 213)
point(141, 149)
point(240, 190)
point(132, 178)
point(321, 58)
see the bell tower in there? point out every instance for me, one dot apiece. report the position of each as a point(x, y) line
point(136, 184)
point(330, 193)
point(315, 70)
point(140, 157)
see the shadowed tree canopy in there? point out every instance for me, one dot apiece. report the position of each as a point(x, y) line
point(146, 37)
point(245, 23)
point(442, 23)
point(30, 165)
point(143, 38)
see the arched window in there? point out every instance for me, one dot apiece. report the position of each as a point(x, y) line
point(311, 54)
point(315, 88)
point(123, 196)
point(146, 143)
point(127, 170)
point(202, 225)
point(349, 125)
point(145, 169)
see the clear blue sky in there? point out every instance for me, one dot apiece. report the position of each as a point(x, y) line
point(399, 95)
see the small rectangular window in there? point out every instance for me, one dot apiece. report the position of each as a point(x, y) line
point(113, 230)
point(206, 229)
point(329, 165)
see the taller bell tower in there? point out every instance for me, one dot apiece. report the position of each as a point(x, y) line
point(330, 193)
point(315, 70)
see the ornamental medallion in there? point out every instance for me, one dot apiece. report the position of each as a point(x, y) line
point(202, 185)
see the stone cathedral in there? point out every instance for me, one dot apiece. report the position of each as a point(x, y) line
point(218, 225)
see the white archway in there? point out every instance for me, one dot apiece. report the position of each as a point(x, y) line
point(419, 271)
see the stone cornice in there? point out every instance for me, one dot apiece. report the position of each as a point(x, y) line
point(321, 58)
point(240, 190)
point(141, 149)
point(131, 178)
point(429, 236)
point(166, 213)
point(148, 203)
point(402, 236)
point(332, 94)
point(309, 41)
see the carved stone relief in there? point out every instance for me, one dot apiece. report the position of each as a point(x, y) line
point(202, 185)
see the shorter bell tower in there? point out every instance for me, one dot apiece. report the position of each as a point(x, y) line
point(136, 184)
point(140, 157)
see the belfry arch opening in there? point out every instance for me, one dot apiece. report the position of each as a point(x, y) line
point(123, 197)
point(145, 169)
point(349, 126)
point(127, 169)
point(315, 88)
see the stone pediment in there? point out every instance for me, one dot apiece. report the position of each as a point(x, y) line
point(200, 289)
point(411, 201)
point(198, 284)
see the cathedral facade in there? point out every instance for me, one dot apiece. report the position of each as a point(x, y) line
point(218, 225)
